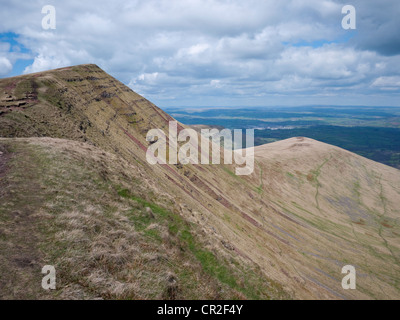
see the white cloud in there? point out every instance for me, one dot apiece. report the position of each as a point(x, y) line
point(216, 83)
point(387, 83)
point(5, 66)
point(218, 51)
point(45, 62)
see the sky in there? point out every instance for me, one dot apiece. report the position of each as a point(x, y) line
point(180, 53)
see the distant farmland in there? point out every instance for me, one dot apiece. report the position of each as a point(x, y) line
point(370, 132)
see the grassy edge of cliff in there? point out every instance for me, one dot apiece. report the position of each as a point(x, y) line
point(86, 212)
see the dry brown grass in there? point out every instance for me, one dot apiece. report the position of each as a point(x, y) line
point(94, 237)
point(296, 218)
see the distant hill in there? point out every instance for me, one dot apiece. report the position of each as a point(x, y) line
point(371, 132)
point(77, 193)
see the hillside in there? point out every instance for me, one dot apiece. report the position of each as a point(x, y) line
point(69, 204)
point(77, 192)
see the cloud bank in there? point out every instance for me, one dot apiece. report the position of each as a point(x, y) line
point(217, 52)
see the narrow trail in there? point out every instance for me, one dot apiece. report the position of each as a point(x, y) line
point(261, 187)
point(317, 174)
point(384, 206)
point(20, 258)
point(4, 158)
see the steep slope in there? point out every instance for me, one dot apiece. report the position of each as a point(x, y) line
point(307, 210)
point(338, 209)
point(91, 214)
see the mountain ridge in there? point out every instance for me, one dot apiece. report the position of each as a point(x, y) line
point(287, 218)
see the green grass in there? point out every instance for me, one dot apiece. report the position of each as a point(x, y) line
point(245, 281)
point(22, 88)
point(291, 175)
point(209, 262)
point(356, 190)
point(232, 174)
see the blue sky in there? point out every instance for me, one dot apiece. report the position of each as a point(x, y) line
point(23, 56)
point(216, 52)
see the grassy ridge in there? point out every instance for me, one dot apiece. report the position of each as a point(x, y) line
point(232, 275)
point(107, 241)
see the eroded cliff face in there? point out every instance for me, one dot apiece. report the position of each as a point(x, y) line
point(306, 211)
